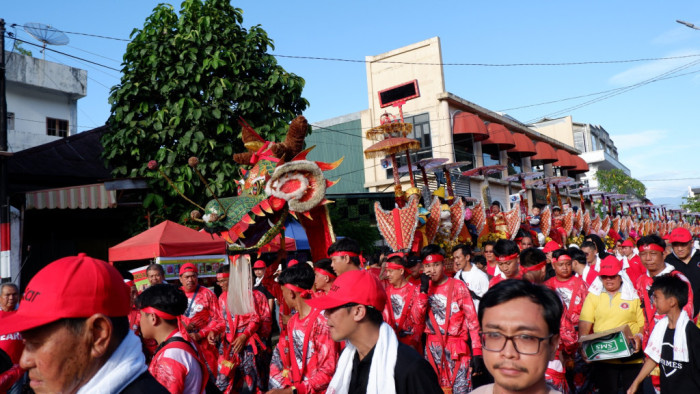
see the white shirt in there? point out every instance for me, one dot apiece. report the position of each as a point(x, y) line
point(476, 280)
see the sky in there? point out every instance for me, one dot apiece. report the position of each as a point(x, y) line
point(498, 55)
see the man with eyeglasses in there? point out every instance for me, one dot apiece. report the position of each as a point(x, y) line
point(373, 361)
point(685, 259)
point(519, 335)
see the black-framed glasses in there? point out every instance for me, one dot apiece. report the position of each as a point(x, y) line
point(524, 344)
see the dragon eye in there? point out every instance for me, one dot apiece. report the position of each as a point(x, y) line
point(254, 189)
point(239, 190)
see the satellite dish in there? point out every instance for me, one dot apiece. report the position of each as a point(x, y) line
point(46, 34)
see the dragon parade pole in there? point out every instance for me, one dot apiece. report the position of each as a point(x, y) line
point(5, 237)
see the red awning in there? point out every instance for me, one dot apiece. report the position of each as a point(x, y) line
point(468, 123)
point(499, 135)
point(581, 165)
point(524, 147)
point(565, 160)
point(545, 153)
point(76, 197)
point(167, 239)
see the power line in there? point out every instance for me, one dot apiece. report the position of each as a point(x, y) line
point(488, 64)
point(62, 53)
point(75, 33)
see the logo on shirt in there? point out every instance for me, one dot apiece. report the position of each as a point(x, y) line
point(625, 305)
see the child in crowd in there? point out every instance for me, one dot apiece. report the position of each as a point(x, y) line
point(674, 345)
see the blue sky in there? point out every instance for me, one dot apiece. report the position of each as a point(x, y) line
point(655, 126)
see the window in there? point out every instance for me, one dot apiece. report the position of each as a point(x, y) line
point(56, 127)
point(421, 132)
point(492, 156)
point(514, 165)
point(10, 121)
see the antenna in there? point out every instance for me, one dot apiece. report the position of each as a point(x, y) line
point(46, 34)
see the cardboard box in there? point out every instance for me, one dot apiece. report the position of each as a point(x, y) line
point(608, 345)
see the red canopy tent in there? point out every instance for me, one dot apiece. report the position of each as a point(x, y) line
point(167, 239)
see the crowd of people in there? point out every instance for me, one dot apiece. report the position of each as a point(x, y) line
point(506, 319)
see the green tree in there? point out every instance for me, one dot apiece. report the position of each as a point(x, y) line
point(17, 46)
point(691, 204)
point(616, 181)
point(186, 80)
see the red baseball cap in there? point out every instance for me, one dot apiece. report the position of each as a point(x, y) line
point(550, 246)
point(359, 286)
point(259, 264)
point(680, 234)
point(292, 263)
point(188, 267)
point(628, 242)
point(610, 266)
point(71, 287)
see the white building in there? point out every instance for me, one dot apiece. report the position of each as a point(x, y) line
point(593, 141)
point(42, 100)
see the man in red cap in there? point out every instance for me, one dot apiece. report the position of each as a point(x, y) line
point(685, 259)
point(548, 248)
point(305, 357)
point(374, 361)
point(630, 260)
point(77, 336)
point(451, 322)
point(202, 315)
point(11, 345)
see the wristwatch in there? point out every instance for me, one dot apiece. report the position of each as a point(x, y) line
point(294, 390)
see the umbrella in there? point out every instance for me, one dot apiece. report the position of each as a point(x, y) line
point(522, 177)
point(391, 146)
point(448, 177)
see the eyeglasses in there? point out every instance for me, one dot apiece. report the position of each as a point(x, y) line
point(488, 251)
point(523, 344)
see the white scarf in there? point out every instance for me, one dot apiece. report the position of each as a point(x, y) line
point(122, 368)
point(680, 342)
point(668, 268)
point(627, 291)
point(381, 372)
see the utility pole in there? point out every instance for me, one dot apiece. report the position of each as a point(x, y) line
point(5, 239)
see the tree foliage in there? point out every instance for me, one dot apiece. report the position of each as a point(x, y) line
point(691, 204)
point(186, 79)
point(616, 181)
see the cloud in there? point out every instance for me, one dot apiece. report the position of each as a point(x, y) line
point(653, 68)
point(673, 36)
point(624, 142)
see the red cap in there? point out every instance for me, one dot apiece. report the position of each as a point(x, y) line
point(259, 264)
point(359, 286)
point(680, 234)
point(188, 267)
point(610, 266)
point(71, 287)
point(550, 246)
point(628, 242)
point(292, 263)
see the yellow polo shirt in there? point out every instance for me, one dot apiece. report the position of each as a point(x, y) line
point(607, 313)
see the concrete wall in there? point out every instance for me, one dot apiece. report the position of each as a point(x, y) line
point(37, 89)
point(560, 129)
point(388, 70)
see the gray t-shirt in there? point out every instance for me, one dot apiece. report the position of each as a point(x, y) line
point(488, 389)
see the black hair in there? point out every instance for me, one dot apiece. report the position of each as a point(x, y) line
point(498, 204)
point(600, 246)
point(560, 252)
point(505, 247)
point(479, 259)
point(530, 257)
point(489, 242)
point(164, 297)
point(76, 325)
point(346, 245)
point(431, 249)
point(651, 239)
point(374, 316)
point(413, 260)
point(397, 260)
point(671, 286)
point(589, 244)
point(466, 250)
point(576, 254)
point(382, 250)
point(156, 267)
point(325, 264)
point(301, 275)
point(224, 269)
point(510, 289)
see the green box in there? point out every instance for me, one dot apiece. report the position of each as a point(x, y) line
point(608, 345)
